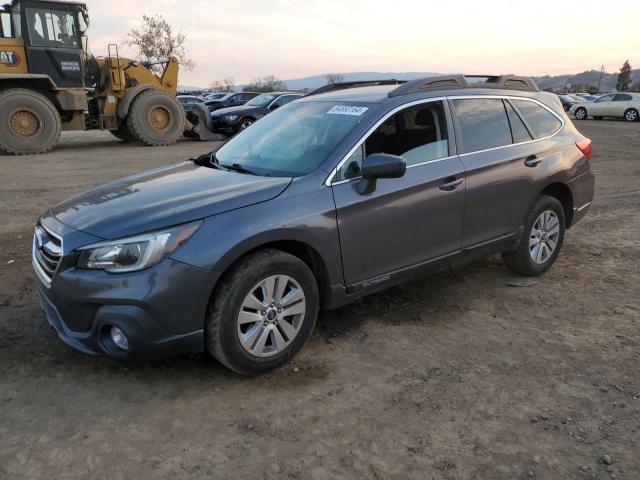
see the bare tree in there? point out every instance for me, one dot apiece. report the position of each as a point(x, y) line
point(226, 84)
point(333, 78)
point(265, 84)
point(155, 41)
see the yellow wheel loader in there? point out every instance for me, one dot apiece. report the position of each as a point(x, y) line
point(49, 83)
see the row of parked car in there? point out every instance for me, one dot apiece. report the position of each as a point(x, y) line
point(624, 105)
point(233, 112)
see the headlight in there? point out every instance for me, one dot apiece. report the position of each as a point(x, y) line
point(135, 253)
point(230, 118)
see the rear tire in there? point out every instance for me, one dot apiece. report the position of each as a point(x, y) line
point(156, 118)
point(30, 123)
point(631, 115)
point(580, 113)
point(241, 313)
point(541, 240)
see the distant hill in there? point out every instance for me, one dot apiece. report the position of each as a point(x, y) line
point(557, 82)
point(586, 79)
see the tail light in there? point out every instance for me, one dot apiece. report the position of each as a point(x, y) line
point(584, 146)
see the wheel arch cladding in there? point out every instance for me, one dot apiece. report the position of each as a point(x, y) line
point(563, 194)
point(299, 249)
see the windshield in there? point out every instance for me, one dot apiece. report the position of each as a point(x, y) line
point(261, 100)
point(294, 140)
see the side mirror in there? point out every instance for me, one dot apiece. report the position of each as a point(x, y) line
point(274, 107)
point(380, 165)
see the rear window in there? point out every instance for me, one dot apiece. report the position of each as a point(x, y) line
point(541, 120)
point(518, 129)
point(483, 123)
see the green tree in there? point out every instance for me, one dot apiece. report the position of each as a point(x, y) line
point(155, 41)
point(624, 77)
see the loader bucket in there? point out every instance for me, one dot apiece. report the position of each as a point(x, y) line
point(199, 125)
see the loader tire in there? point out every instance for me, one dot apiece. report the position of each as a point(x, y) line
point(123, 133)
point(29, 124)
point(156, 118)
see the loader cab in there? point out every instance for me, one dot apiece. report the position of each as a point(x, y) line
point(52, 37)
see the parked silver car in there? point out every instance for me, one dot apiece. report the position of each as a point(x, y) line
point(621, 105)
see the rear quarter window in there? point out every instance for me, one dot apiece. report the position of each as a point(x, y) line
point(541, 120)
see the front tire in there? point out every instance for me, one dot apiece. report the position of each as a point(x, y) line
point(542, 239)
point(262, 313)
point(580, 113)
point(156, 118)
point(245, 123)
point(30, 123)
point(631, 115)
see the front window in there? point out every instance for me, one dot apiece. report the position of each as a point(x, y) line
point(52, 28)
point(261, 100)
point(418, 134)
point(294, 140)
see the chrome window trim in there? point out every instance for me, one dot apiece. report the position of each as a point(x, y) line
point(285, 95)
point(334, 172)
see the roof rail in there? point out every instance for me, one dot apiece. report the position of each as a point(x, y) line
point(360, 83)
point(450, 82)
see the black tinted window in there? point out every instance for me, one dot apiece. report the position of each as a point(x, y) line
point(622, 97)
point(518, 130)
point(541, 120)
point(483, 123)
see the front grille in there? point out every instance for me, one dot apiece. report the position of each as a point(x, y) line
point(47, 252)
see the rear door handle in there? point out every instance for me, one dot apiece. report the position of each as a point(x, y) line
point(532, 161)
point(450, 183)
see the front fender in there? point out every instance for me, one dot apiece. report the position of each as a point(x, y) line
point(123, 105)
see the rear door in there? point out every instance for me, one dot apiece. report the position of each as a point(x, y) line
point(405, 221)
point(501, 167)
point(621, 102)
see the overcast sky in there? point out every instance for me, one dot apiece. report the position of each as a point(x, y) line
point(291, 39)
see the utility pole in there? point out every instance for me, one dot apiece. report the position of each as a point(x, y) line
point(600, 78)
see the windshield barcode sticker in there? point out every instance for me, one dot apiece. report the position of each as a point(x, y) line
point(348, 110)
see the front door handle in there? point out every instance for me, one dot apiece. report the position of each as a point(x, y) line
point(450, 183)
point(532, 161)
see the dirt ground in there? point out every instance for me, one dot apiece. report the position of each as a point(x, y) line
point(473, 374)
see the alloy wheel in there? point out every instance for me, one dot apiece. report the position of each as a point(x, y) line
point(544, 236)
point(631, 115)
point(271, 315)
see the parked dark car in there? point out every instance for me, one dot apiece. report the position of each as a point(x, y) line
point(188, 102)
point(567, 101)
point(330, 198)
point(231, 100)
point(234, 119)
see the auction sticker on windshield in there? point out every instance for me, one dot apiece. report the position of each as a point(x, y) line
point(348, 110)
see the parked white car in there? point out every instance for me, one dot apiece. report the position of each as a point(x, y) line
point(621, 105)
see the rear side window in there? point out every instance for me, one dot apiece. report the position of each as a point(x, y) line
point(541, 120)
point(483, 123)
point(623, 97)
point(518, 129)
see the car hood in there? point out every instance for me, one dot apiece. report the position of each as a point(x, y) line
point(233, 110)
point(164, 197)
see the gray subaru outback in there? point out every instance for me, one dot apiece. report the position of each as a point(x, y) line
point(347, 191)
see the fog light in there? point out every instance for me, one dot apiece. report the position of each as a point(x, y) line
point(119, 338)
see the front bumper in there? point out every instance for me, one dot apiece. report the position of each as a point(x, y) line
point(161, 310)
point(223, 126)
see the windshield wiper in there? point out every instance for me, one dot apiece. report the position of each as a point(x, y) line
point(208, 160)
point(236, 167)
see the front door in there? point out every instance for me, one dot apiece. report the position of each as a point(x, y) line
point(602, 106)
point(405, 221)
point(53, 44)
